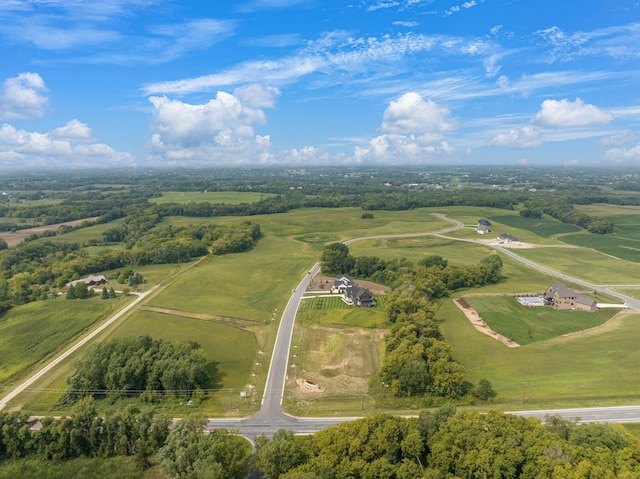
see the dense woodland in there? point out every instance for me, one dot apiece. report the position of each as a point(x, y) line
point(439, 444)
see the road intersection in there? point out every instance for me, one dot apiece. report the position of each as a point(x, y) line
point(270, 418)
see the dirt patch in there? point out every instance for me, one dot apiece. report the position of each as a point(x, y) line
point(478, 323)
point(307, 386)
point(324, 283)
point(522, 244)
point(13, 239)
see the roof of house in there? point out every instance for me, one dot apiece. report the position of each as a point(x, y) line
point(484, 221)
point(88, 280)
point(562, 291)
point(507, 236)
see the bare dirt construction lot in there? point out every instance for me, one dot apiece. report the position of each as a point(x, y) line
point(13, 239)
point(339, 361)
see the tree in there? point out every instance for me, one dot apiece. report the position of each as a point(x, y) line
point(71, 292)
point(279, 455)
point(484, 390)
point(190, 454)
point(336, 259)
point(82, 290)
point(112, 293)
point(105, 293)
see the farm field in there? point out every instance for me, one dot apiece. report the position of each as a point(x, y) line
point(586, 264)
point(588, 369)
point(545, 227)
point(216, 197)
point(620, 247)
point(524, 325)
point(33, 331)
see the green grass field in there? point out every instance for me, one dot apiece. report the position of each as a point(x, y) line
point(544, 227)
point(623, 248)
point(524, 325)
point(216, 197)
point(232, 349)
point(597, 368)
point(335, 311)
point(33, 331)
point(586, 264)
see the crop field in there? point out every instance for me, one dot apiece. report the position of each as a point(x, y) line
point(216, 197)
point(250, 285)
point(592, 368)
point(587, 264)
point(544, 227)
point(623, 248)
point(524, 325)
point(33, 331)
point(413, 249)
point(120, 467)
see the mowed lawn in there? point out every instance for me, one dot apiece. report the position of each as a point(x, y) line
point(33, 331)
point(332, 310)
point(232, 350)
point(524, 325)
point(593, 368)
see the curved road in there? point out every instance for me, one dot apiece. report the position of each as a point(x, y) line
point(271, 418)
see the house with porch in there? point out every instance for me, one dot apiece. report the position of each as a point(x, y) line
point(89, 281)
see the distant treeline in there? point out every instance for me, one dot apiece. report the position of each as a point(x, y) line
point(30, 270)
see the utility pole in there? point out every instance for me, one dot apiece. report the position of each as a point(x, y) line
point(524, 394)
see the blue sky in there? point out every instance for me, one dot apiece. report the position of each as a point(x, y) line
point(123, 83)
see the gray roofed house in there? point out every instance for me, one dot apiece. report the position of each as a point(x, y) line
point(559, 296)
point(506, 237)
point(357, 296)
point(89, 281)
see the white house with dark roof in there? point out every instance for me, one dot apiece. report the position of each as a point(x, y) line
point(342, 282)
point(483, 226)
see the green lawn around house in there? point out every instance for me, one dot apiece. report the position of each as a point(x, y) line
point(589, 369)
point(505, 315)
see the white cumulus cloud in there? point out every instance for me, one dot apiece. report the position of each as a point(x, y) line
point(411, 114)
point(525, 137)
point(565, 113)
point(69, 146)
point(24, 96)
point(623, 155)
point(219, 132)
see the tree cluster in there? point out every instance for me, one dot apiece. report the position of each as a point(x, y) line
point(441, 445)
point(138, 365)
point(83, 434)
point(563, 210)
point(29, 270)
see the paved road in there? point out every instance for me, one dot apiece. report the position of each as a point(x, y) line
point(65, 354)
point(618, 414)
point(271, 418)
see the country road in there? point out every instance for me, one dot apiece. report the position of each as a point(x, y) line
point(270, 418)
point(65, 354)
